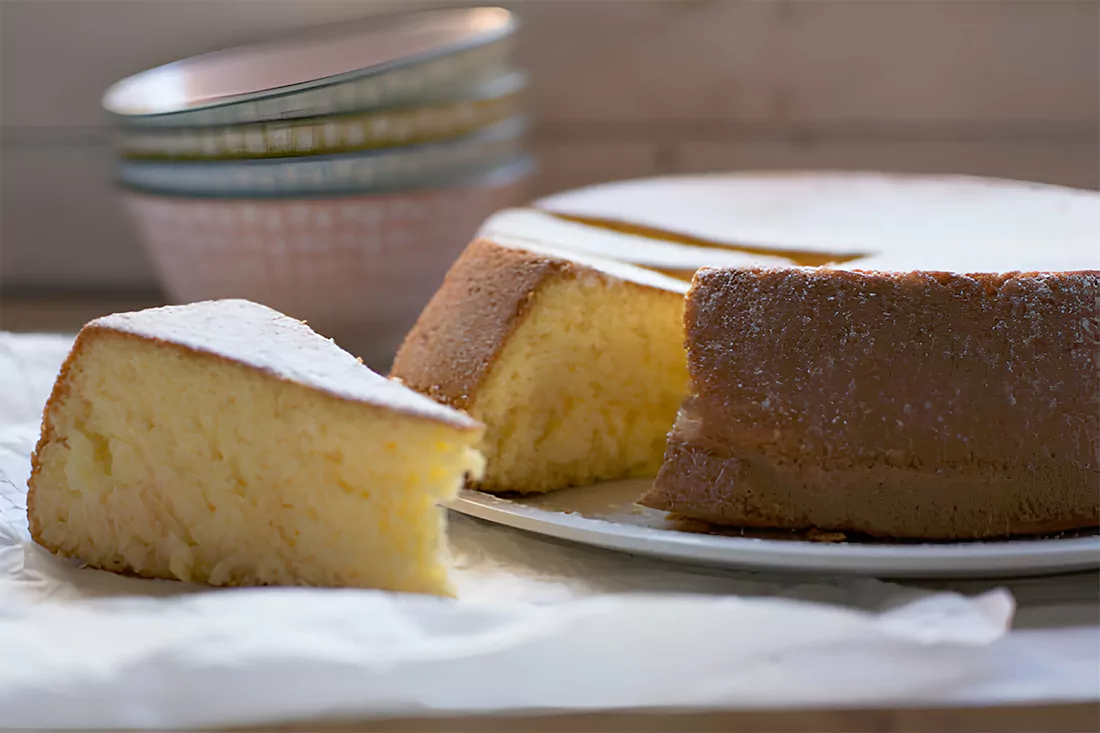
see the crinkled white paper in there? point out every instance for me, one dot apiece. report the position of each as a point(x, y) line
point(537, 625)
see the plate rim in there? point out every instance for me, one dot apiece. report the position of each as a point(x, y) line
point(1031, 556)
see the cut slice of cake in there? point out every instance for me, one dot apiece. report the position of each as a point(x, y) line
point(575, 364)
point(225, 443)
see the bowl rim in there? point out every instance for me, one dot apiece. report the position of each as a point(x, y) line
point(511, 83)
point(507, 24)
point(510, 128)
point(504, 173)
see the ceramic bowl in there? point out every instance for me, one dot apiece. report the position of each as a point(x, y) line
point(495, 102)
point(431, 165)
point(358, 268)
point(392, 60)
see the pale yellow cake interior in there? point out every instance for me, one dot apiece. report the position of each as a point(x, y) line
point(174, 464)
point(587, 387)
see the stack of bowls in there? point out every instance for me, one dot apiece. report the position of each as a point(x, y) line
point(334, 177)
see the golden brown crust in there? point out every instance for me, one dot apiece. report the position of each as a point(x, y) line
point(46, 436)
point(909, 405)
point(485, 296)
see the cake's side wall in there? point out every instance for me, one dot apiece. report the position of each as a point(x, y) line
point(48, 439)
point(841, 401)
point(456, 340)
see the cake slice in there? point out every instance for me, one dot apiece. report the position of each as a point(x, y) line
point(575, 364)
point(225, 443)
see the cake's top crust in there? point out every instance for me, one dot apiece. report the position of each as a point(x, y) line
point(577, 258)
point(869, 221)
point(525, 227)
point(264, 339)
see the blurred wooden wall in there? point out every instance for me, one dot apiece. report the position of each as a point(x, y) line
point(622, 88)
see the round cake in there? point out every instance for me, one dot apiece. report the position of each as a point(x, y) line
point(905, 356)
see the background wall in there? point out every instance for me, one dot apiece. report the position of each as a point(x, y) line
point(621, 88)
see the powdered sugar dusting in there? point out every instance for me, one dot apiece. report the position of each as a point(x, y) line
point(900, 222)
point(620, 270)
point(264, 339)
point(916, 404)
point(526, 226)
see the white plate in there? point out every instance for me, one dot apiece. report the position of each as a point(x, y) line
point(605, 516)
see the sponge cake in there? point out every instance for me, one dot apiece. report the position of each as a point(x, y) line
point(224, 443)
point(935, 379)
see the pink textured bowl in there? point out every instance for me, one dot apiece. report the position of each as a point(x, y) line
point(358, 268)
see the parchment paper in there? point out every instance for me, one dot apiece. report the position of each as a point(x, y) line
point(537, 625)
